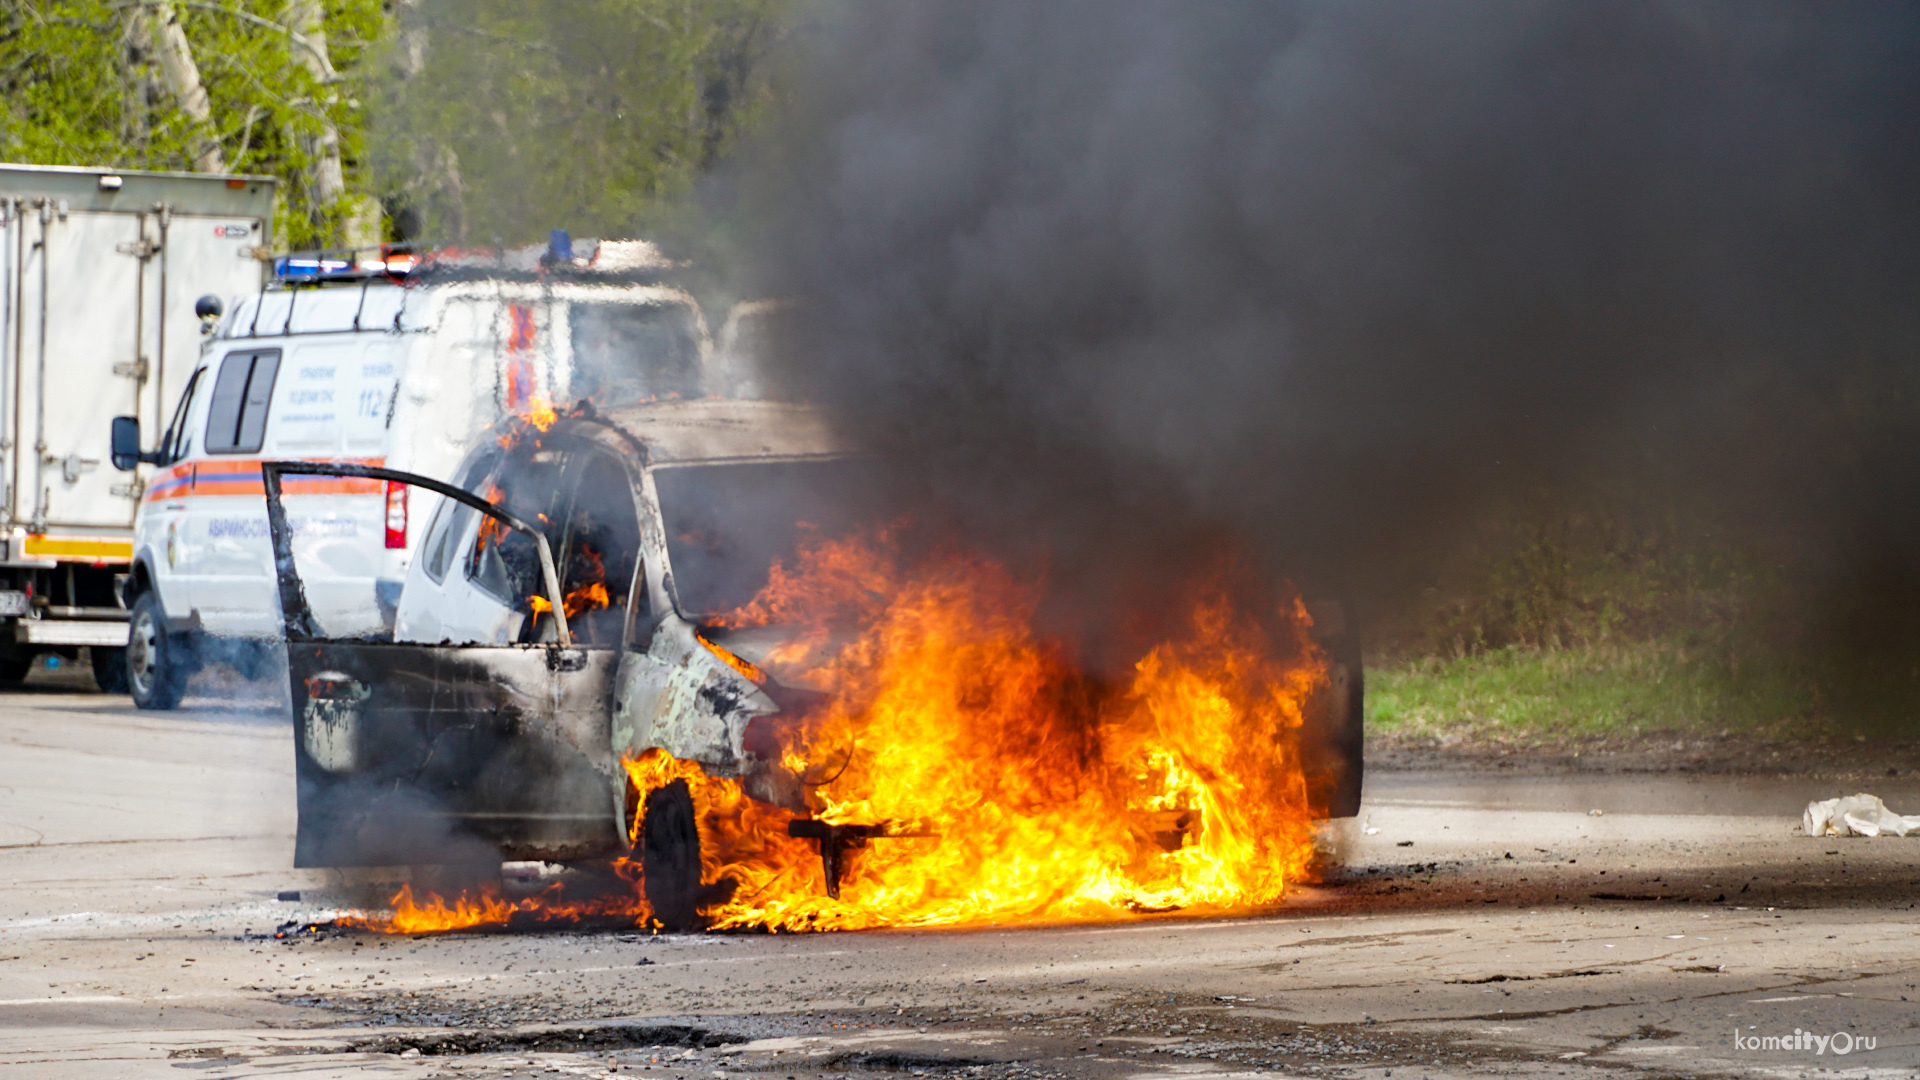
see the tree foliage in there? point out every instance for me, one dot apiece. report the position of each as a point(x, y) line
point(80, 85)
point(463, 120)
point(506, 119)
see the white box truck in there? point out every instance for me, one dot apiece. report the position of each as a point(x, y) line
point(99, 271)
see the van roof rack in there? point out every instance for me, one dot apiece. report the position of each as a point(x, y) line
point(357, 265)
point(629, 261)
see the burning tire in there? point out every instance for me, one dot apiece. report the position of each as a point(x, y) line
point(155, 675)
point(670, 856)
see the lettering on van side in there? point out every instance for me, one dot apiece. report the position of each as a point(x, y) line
point(245, 528)
point(326, 528)
point(309, 397)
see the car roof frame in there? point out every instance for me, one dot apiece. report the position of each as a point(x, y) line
point(297, 616)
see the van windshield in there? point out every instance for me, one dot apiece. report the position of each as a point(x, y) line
point(628, 354)
point(727, 524)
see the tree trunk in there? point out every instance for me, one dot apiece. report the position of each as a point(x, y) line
point(411, 58)
point(182, 76)
point(327, 178)
point(135, 57)
point(433, 198)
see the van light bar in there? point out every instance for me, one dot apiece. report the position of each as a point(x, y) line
point(396, 514)
point(347, 264)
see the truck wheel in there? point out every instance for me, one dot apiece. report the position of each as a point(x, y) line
point(109, 668)
point(155, 676)
point(670, 856)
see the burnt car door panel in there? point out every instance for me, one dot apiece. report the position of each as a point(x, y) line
point(406, 753)
point(402, 748)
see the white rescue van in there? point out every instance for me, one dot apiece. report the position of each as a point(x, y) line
point(377, 359)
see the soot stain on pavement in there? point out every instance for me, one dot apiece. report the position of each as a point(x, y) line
point(1118, 1036)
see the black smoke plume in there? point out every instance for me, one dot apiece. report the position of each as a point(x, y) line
point(1333, 279)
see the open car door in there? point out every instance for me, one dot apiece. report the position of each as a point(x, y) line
point(416, 753)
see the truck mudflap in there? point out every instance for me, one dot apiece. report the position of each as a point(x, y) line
point(409, 754)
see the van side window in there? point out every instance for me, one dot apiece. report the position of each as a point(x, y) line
point(237, 417)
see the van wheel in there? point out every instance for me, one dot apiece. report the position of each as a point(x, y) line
point(13, 671)
point(155, 676)
point(670, 857)
point(109, 668)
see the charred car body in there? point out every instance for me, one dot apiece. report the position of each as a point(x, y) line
point(551, 625)
point(561, 617)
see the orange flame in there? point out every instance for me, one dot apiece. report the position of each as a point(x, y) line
point(752, 673)
point(1048, 795)
point(1014, 785)
point(591, 595)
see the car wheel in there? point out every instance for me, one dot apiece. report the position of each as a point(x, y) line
point(155, 676)
point(109, 668)
point(670, 856)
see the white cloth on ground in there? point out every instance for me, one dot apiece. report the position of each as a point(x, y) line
point(1856, 815)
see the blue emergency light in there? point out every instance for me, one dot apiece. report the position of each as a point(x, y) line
point(344, 264)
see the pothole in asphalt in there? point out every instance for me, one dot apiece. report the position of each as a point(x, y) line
point(907, 1063)
point(557, 1040)
point(1582, 973)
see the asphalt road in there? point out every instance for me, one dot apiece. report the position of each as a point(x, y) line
point(1490, 926)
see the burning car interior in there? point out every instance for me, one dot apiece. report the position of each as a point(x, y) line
point(481, 580)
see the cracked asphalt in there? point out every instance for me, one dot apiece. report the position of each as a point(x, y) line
point(1475, 924)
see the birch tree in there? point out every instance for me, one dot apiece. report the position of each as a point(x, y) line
point(249, 86)
point(159, 24)
point(465, 120)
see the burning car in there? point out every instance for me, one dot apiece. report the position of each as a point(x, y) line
point(622, 632)
point(551, 625)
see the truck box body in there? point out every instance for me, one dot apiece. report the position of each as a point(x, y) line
point(99, 271)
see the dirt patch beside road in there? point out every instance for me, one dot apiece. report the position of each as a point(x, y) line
point(1853, 758)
